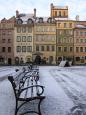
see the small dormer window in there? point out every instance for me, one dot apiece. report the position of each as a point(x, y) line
point(30, 21)
point(49, 20)
point(19, 21)
point(40, 20)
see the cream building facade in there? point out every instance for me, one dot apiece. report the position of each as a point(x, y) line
point(23, 40)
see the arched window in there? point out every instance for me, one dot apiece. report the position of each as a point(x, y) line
point(59, 13)
point(19, 21)
point(30, 21)
point(49, 20)
point(77, 58)
point(40, 20)
point(55, 13)
point(59, 58)
point(64, 13)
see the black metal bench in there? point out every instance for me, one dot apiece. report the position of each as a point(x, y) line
point(31, 90)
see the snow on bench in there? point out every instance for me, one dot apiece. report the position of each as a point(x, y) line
point(31, 90)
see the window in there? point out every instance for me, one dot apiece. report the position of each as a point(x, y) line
point(19, 30)
point(30, 21)
point(70, 25)
point(50, 59)
point(59, 13)
point(19, 21)
point(9, 40)
point(59, 24)
point(65, 25)
point(18, 48)
point(3, 40)
point(29, 38)
point(9, 49)
point(81, 49)
point(49, 20)
point(71, 32)
point(23, 38)
point(81, 40)
point(55, 13)
point(65, 49)
point(77, 40)
point(60, 32)
point(52, 48)
point(40, 20)
point(59, 49)
point(59, 58)
point(71, 49)
point(3, 49)
point(29, 30)
point(23, 48)
point(77, 49)
point(85, 49)
point(42, 48)
point(65, 32)
point(64, 13)
point(77, 33)
point(81, 33)
point(65, 40)
point(71, 40)
point(18, 39)
point(23, 29)
point(48, 48)
point(29, 48)
point(37, 48)
point(77, 58)
point(59, 40)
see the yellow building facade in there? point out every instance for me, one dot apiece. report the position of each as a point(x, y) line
point(65, 40)
point(59, 11)
point(45, 39)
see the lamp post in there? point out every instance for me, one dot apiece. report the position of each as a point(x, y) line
point(73, 48)
point(56, 43)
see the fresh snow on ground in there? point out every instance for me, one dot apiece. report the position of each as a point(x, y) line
point(65, 88)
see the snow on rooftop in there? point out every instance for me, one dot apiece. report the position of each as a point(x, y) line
point(26, 17)
point(61, 7)
point(80, 26)
point(62, 19)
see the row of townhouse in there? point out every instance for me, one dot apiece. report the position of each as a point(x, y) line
point(54, 38)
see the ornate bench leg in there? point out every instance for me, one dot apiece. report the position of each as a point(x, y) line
point(39, 109)
point(16, 108)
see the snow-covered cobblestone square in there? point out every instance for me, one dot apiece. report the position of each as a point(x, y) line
point(65, 88)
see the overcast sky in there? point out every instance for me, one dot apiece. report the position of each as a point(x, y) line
point(8, 7)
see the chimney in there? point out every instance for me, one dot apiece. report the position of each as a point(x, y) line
point(77, 18)
point(34, 12)
point(51, 5)
point(17, 13)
